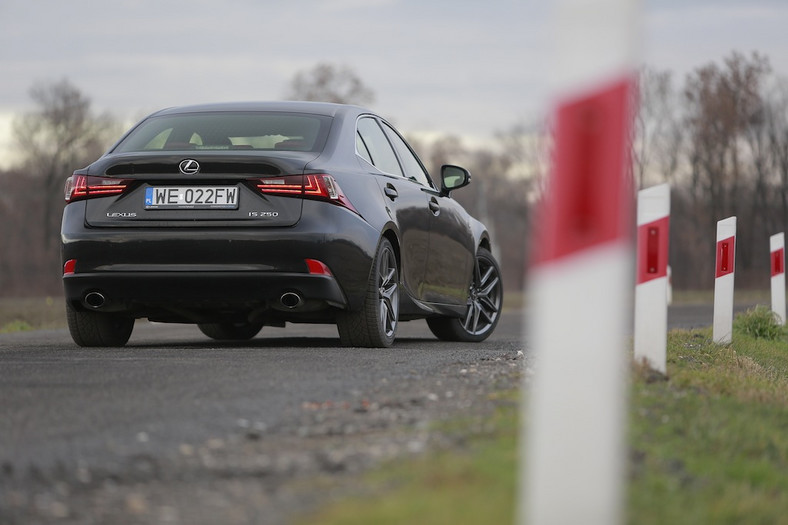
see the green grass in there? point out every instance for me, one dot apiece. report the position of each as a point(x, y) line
point(708, 444)
point(475, 485)
point(761, 323)
point(15, 326)
point(22, 314)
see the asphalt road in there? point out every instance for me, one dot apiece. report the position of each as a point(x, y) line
point(66, 410)
point(171, 385)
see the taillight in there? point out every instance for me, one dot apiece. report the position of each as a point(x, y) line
point(80, 187)
point(288, 185)
point(318, 186)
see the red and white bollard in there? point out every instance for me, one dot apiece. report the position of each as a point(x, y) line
point(580, 294)
point(651, 292)
point(777, 249)
point(723, 283)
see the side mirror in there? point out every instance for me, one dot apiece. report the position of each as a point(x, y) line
point(453, 177)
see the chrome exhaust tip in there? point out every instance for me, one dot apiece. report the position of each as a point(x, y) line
point(94, 300)
point(291, 300)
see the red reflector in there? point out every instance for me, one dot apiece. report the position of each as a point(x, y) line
point(778, 262)
point(70, 267)
point(316, 267)
point(726, 256)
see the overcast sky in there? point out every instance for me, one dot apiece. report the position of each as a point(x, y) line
point(461, 66)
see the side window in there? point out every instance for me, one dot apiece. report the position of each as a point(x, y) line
point(411, 165)
point(379, 149)
point(361, 148)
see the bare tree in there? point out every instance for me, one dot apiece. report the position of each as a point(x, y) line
point(330, 83)
point(777, 126)
point(729, 161)
point(58, 136)
point(657, 128)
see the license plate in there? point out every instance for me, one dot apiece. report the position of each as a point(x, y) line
point(191, 197)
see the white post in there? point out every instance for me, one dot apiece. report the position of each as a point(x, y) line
point(777, 248)
point(580, 295)
point(723, 283)
point(651, 292)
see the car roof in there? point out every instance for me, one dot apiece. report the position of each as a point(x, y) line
point(318, 108)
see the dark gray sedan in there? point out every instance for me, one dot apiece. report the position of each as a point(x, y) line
point(235, 216)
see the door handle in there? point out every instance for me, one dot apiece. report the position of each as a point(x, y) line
point(391, 192)
point(435, 207)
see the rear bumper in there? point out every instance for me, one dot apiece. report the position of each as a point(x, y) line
point(142, 292)
point(143, 270)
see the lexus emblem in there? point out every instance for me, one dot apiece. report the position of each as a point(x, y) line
point(189, 166)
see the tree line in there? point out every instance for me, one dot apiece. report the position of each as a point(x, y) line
point(720, 138)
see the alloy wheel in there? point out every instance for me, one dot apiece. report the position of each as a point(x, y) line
point(388, 292)
point(485, 297)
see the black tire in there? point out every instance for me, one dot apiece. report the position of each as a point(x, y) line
point(375, 325)
point(97, 328)
point(484, 305)
point(231, 331)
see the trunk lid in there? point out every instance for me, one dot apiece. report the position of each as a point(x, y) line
point(195, 190)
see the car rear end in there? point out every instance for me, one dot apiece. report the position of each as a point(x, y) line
point(211, 217)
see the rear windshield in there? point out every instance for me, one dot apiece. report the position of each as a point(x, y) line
point(228, 131)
